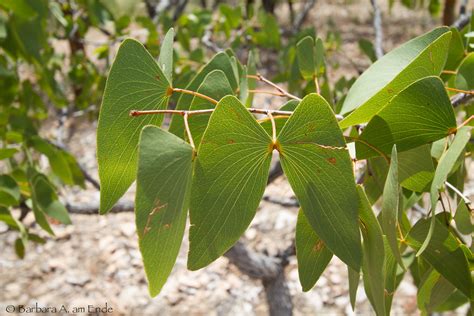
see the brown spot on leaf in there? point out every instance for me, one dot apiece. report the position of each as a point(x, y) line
point(169, 91)
point(390, 91)
point(332, 160)
point(154, 211)
point(230, 141)
point(318, 246)
point(167, 226)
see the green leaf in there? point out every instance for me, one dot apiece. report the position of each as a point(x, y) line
point(46, 199)
point(416, 168)
point(390, 273)
point(20, 248)
point(161, 201)
point(443, 252)
point(455, 53)
point(220, 61)
point(390, 206)
point(305, 54)
point(19, 7)
point(165, 60)
point(418, 58)
point(135, 82)
point(9, 191)
point(316, 161)
point(367, 48)
point(465, 73)
point(420, 114)
point(445, 165)
point(434, 291)
point(57, 160)
point(374, 253)
point(40, 216)
point(463, 219)
point(354, 277)
point(7, 153)
point(251, 83)
point(313, 256)
point(231, 171)
point(216, 86)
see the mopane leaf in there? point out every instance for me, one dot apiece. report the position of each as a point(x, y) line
point(465, 74)
point(135, 82)
point(463, 218)
point(46, 199)
point(443, 253)
point(9, 191)
point(354, 278)
point(390, 206)
point(418, 58)
point(231, 171)
point(416, 169)
point(306, 56)
point(445, 165)
point(40, 216)
point(316, 161)
point(374, 253)
point(220, 61)
point(161, 201)
point(216, 86)
point(313, 256)
point(420, 114)
point(434, 291)
point(455, 53)
point(251, 83)
point(165, 60)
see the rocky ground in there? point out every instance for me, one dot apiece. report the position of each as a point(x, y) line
point(95, 261)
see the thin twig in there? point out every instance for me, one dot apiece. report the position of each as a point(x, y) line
point(206, 111)
point(196, 94)
point(449, 72)
point(460, 91)
point(464, 197)
point(261, 78)
point(465, 122)
point(462, 21)
point(188, 130)
point(378, 30)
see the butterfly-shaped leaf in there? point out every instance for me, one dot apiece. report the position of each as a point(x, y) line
point(135, 82)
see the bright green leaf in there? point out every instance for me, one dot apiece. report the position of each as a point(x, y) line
point(305, 53)
point(135, 82)
point(418, 58)
point(465, 73)
point(231, 171)
point(445, 165)
point(216, 86)
point(316, 161)
point(220, 61)
point(9, 191)
point(165, 60)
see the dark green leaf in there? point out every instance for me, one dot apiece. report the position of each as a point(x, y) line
point(374, 253)
point(231, 171)
point(443, 253)
point(420, 114)
point(316, 161)
point(161, 201)
point(313, 256)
